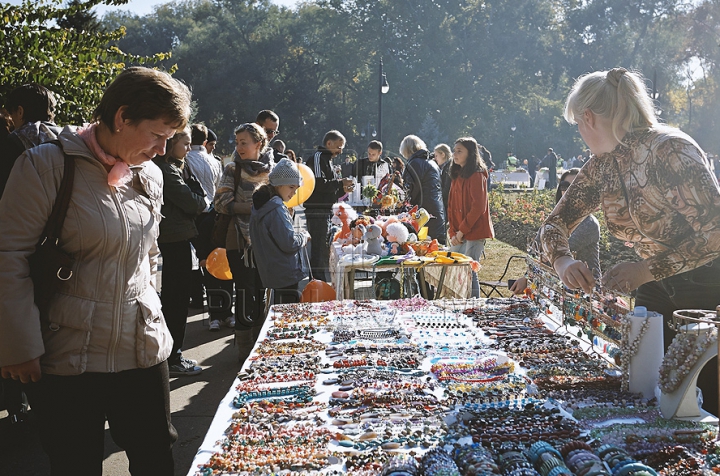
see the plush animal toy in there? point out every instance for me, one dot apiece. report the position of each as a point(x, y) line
point(417, 217)
point(373, 238)
point(358, 227)
point(384, 224)
point(397, 234)
point(343, 214)
point(420, 218)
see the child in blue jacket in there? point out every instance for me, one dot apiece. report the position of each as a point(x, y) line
point(276, 245)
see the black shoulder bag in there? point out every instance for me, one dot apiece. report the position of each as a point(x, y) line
point(49, 265)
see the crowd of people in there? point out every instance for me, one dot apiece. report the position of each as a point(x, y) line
point(148, 190)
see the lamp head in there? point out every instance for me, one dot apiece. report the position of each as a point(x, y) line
point(384, 86)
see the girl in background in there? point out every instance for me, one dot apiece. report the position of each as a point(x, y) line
point(468, 209)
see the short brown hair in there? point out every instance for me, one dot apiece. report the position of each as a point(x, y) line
point(198, 134)
point(266, 114)
point(375, 145)
point(146, 94)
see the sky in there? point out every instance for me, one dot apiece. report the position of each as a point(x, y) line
point(143, 7)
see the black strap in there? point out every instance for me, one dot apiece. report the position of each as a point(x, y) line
point(62, 201)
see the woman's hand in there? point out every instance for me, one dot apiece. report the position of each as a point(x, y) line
point(574, 274)
point(26, 372)
point(519, 286)
point(625, 277)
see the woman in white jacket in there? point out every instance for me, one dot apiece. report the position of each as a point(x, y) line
point(99, 350)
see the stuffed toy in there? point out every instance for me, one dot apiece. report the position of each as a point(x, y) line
point(373, 238)
point(343, 214)
point(358, 227)
point(397, 234)
point(417, 217)
point(384, 224)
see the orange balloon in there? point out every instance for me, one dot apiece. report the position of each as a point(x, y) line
point(318, 291)
point(217, 264)
point(305, 190)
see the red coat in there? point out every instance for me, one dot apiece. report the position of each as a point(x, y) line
point(468, 209)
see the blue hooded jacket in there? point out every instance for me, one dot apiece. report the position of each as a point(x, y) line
point(275, 243)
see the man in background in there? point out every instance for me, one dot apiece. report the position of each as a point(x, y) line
point(374, 164)
point(32, 109)
point(318, 207)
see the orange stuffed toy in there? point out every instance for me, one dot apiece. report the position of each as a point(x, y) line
point(343, 214)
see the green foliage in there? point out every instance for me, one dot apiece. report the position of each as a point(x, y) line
point(74, 63)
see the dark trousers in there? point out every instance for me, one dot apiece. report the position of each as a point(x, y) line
point(212, 283)
point(695, 289)
point(175, 294)
point(249, 292)
point(197, 291)
point(71, 411)
point(318, 224)
point(286, 295)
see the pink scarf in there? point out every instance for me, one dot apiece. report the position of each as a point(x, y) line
point(120, 173)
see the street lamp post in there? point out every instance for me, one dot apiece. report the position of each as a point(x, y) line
point(383, 88)
point(513, 128)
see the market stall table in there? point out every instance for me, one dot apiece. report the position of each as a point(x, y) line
point(451, 280)
point(384, 378)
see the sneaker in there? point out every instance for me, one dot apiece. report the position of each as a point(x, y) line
point(191, 362)
point(214, 326)
point(184, 368)
point(230, 321)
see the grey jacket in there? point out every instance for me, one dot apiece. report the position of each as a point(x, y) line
point(276, 245)
point(107, 317)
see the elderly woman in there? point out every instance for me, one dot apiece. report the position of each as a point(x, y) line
point(657, 191)
point(422, 180)
point(98, 351)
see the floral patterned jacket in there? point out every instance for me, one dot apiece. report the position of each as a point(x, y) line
point(657, 191)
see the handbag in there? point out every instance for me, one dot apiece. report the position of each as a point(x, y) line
point(49, 265)
point(222, 220)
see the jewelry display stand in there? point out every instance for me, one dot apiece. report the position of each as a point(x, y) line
point(646, 330)
point(682, 402)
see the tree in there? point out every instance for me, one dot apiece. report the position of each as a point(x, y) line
point(81, 20)
point(430, 132)
point(75, 64)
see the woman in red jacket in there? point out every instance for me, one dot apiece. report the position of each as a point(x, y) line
point(468, 210)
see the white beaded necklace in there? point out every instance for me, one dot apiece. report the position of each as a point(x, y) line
point(629, 349)
point(682, 355)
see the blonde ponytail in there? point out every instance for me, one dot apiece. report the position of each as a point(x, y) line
point(619, 95)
